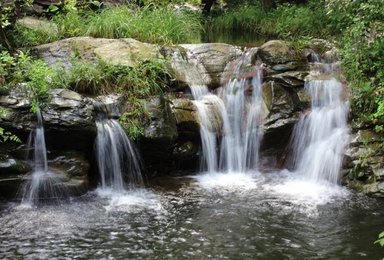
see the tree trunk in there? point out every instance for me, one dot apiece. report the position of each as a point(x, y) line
point(207, 6)
point(4, 40)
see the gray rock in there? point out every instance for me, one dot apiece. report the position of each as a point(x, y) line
point(37, 24)
point(214, 57)
point(10, 166)
point(159, 136)
point(187, 68)
point(275, 52)
point(294, 79)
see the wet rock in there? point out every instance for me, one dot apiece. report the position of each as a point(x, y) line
point(66, 111)
point(281, 119)
point(290, 66)
point(109, 105)
point(76, 168)
point(186, 155)
point(241, 67)
point(293, 79)
point(185, 114)
point(159, 136)
point(187, 68)
point(374, 189)
point(10, 166)
point(214, 57)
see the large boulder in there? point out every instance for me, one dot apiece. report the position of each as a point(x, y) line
point(214, 57)
point(127, 52)
point(276, 52)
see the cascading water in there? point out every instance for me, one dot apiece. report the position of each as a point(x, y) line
point(321, 135)
point(243, 127)
point(233, 120)
point(41, 182)
point(117, 159)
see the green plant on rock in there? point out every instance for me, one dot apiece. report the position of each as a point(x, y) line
point(380, 241)
point(6, 136)
point(34, 74)
point(135, 84)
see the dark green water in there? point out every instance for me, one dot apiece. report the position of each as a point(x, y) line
point(239, 38)
point(270, 216)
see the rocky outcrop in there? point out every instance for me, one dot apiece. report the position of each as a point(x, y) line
point(190, 63)
point(66, 111)
point(126, 52)
point(365, 163)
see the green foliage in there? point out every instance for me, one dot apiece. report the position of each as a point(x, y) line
point(22, 68)
point(294, 21)
point(286, 21)
point(149, 24)
point(12, 68)
point(362, 52)
point(9, 10)
point(250, 19)
point(156, 25)
point(6, 136)
point(380, 241)
point(39, 79)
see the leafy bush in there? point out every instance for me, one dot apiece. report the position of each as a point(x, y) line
point(362, 52)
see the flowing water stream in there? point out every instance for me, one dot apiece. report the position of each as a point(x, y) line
point(42, 182)
point(117, 159)
point(320, 136)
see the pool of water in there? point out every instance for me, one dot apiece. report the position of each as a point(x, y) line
point(218, 216)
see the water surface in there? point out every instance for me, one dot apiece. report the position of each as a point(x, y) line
point(218, 216)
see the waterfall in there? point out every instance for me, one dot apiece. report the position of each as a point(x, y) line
point(41, 182)
point(321, 134)
point(117, 158)
point(232, 119)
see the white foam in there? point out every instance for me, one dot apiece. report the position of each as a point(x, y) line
point(304, 193)
point(229, 181)
point(131, 200)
